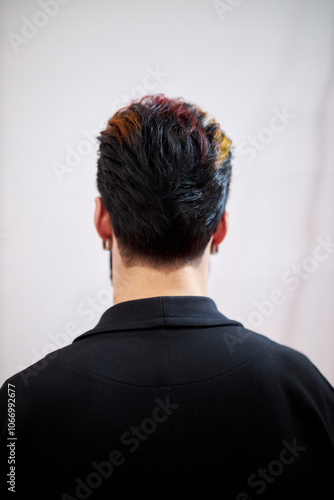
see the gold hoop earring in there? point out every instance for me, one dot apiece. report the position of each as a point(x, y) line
point(105, 245)
point(213, 248)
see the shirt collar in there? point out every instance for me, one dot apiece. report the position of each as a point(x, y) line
point(162, 311)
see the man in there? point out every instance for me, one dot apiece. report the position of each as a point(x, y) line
point(166, 397)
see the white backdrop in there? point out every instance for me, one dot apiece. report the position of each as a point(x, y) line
point(263, 68)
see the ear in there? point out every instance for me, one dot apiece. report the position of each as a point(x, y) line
point(221, 230)
point(102, 220)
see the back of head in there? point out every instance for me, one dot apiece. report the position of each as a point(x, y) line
point(164, 173)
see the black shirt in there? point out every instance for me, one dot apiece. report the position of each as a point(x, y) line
point(168, 398)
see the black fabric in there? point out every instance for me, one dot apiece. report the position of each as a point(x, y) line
point(168, 398)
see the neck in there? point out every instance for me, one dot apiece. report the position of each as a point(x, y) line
point(139, 282)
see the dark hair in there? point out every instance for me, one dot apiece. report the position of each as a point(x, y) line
point(164, 173)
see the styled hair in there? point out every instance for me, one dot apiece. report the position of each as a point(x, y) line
point(164, 173)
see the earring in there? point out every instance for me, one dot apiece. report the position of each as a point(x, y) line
point(213, 248)
point(105, 245)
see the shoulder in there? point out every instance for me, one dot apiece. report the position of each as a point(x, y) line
point(270, 364)
point(39, 376)
point(277, 357)
point(295, 365)
point(288, 363)
point(294, 379)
